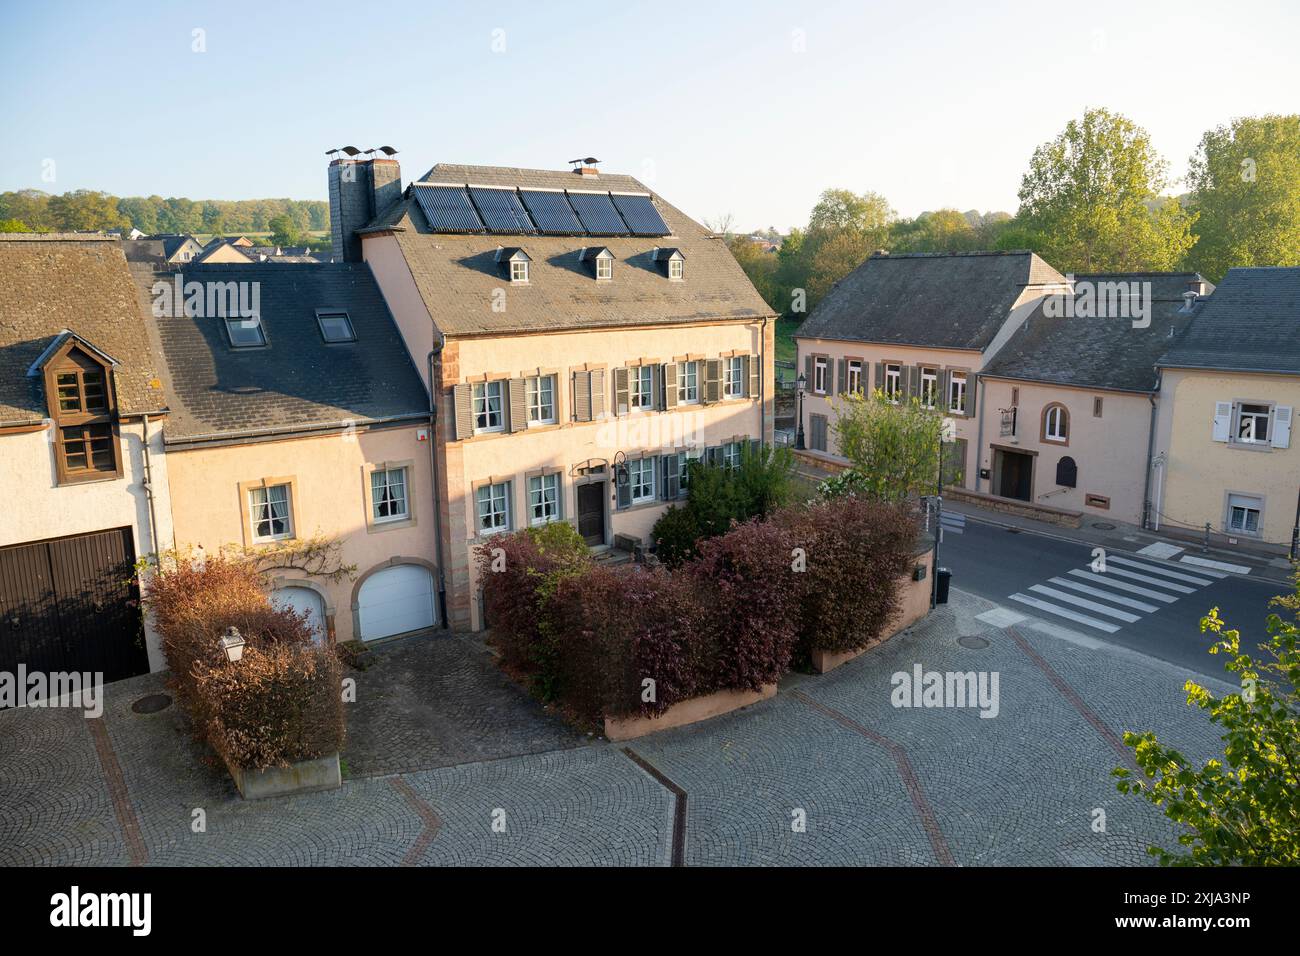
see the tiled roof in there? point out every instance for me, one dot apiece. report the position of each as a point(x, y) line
point(1091, 352)
point(298, 381)
point(940, 300)
point(80, 283)
point(458, 274)
point(1251, 323)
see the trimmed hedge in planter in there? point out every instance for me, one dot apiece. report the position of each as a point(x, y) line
point(282, 703)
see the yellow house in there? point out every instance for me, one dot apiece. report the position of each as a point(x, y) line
point(582, 337)
point(1225, 460)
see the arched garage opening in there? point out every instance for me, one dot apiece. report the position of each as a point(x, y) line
point(395, 599)
point(304, 600)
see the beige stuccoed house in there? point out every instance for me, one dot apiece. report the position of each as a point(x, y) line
point(1226, 458)
point(82, 466)
point(297, 419)
point(1070, 401)
point(582, 338)
point(917, 325)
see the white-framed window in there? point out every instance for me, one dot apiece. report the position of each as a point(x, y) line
point(929, 387)
point(268, 511)
point(957, 393)
point(893, 382)
point(543, 499)
point(731, 454)
point(688, 383)
point(820, 364)
point(1056, 423)
point(676, 269)
point(641, 479)
point(540, 394)
point(604, 268)
point(493, 507)
point(640, 387)
point(854, 376)
point(518, 270)
point(488, 408)
point(388, 500)
point(1253, 423)
point(733, 379)
point(1243, 513)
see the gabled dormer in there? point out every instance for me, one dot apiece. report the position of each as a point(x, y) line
point(515, 263)
point(600, 261)
point(80, 400)
point(672, 262)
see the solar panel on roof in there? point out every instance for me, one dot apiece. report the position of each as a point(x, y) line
point(641, 216)
point(552, 213)
point(501, 211)
point(448, 208)
point(598, 214)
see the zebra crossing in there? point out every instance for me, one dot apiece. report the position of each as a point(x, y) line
point(1122, 591)
point(950, 522)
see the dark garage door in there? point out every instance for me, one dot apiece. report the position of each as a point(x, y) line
point(71, 604)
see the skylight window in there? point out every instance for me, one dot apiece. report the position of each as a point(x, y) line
point(245, 333)
point(335, 326)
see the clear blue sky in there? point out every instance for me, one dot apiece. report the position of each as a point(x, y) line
point(932, 104)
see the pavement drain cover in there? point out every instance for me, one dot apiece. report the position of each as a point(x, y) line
point(974, 643)
point(1103, 526)
point(151, 704)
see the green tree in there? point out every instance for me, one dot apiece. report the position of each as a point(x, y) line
point(84, 210)
point(27, 205)
point(759, 266)
point(14, 225)
point(284, 232)
point(1093, 197)
point(1246, 813)
point(843, 230)
point(945, 230)
point(893, 447)
point(1245, 182)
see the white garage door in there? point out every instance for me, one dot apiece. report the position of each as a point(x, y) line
point(304, 599)
point(396, 600)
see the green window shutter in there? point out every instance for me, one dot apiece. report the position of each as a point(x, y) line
point(755, 365)
point(944, 397)
point(462, 402)
point(582, 396)
point(670, 384)
point(808, 371)
point(624, 493)
point(841, 377)
point(518, 406)
point(880, 376)
point(598, 410)
point(672, 476)
point(971, 382)
point(620, 391)
point(712, 380)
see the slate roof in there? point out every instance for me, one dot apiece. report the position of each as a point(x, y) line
point(1250, 324)
point(1102, 353)
point(939, 300)
point(296, 383)
point(456, 274)
point(81, 283)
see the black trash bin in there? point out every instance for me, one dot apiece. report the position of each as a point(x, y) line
point(942, 578)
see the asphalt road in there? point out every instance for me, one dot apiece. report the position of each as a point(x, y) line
point(1148, 605)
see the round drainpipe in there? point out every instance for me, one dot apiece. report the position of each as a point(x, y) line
point(433, 469)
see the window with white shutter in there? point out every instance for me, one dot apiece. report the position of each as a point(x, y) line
point(1282, 426)
point(1222, 421)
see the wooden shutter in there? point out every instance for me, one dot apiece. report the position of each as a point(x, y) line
point(463, 405)
point(620, 391)
point(582, 396)
point(971, 382)
point(755, 367)
point(841, 376)
point(598, 410)
point(808, 371)
point(518, 406)
point(672, 476)
point(712, 380)
point(944, 400)
point(1282, 426)
point(624, 491)
point(880, 376)
point(1222, 421)
point(670, 385)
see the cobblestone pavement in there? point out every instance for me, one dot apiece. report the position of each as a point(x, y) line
point(450, 765)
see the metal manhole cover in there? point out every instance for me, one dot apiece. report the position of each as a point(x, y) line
point(1103, 526)
point(151, 704)
point(974, 643)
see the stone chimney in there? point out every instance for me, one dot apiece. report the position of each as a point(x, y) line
point(359, 188)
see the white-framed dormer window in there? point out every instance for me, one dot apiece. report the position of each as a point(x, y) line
point(957, 393)
point(540, 394)
point(543, 499)
point(640, 385)
point(268, 512)
point(820, 365)
point(641, 479)
point(676, 269)
point(854, 375)
point(688, 383)
point(604, 267)
point(929, 387)
point(492, 503)
point(518, 270)
point(893, 381)
point(488, 409)
point(1253, 423)
point(733, 382)
point(388, 500)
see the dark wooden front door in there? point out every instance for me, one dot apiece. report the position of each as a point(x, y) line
point(591, 512)
point(1017, 473)
point(71, 604)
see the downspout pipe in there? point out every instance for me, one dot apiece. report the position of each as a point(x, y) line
point(1151, 454)
point(979, 428)
point(433, 471)
point(148, 489)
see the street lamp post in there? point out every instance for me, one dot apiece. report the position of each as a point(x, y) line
point(801, 386)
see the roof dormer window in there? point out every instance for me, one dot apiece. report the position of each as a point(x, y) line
point(516, 262)
point(79, 396)
point(672, 262)
point(601, 261)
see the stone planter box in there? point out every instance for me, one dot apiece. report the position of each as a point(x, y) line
point(308, 776)
point(915, 606)
point(686, 712)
